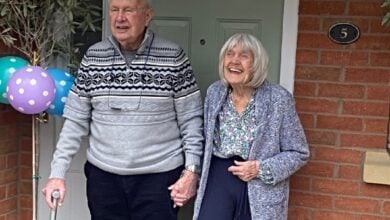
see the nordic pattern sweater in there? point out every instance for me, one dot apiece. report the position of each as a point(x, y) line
point(141, 118)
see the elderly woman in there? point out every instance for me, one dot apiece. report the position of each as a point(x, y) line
point(254, 139)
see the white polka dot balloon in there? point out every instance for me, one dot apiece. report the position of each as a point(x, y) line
point(63, 82)
point(30, 90)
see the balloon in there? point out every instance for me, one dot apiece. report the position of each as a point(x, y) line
point(30, 90)
point(63, 82)
point(8, 65)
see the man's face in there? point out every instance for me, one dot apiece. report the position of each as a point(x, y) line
point(128, 19)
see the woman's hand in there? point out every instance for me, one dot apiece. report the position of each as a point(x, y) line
point(245, 170)
point(184, 188)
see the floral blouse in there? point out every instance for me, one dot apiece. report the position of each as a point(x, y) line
point(235, 134)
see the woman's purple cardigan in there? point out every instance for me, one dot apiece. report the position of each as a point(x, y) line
point(280, 143)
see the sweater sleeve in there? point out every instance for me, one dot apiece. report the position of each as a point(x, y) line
point(77, 113)
point(189, 111)
point(294, 151)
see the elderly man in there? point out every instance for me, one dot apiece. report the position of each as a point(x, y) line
point(137, 100)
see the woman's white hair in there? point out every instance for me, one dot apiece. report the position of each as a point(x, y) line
point(249, 43)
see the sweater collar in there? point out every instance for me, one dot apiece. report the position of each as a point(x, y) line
point(143, 46)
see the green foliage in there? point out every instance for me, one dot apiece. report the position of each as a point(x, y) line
point(386, 18)
point(41, 29)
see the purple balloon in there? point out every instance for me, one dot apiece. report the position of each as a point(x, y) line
point(30, 90)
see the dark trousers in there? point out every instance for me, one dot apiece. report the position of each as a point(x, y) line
point(226, 196)
point(132, 197)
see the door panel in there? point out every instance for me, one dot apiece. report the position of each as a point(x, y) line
point(200, 27)
point(216, 21)
point(176, 29)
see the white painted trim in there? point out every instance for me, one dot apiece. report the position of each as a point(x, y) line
point(289, 44)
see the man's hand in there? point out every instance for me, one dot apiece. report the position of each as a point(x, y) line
point(184, 188)
point(245, 170)
point(51, 186)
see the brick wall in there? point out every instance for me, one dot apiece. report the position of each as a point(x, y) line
point(342, 96)
point(15, 161)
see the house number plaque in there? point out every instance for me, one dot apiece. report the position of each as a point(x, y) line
point(344, 33)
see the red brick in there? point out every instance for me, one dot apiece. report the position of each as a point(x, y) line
point(8, 117)
point(366, 108)
point(344, 58)
point(338, 155)
point(26, 201)
point(25, 172)
point(321, 137)
point(375, 190)
point(25, 187)
point(11, 216)
point(350, 172)
point(361, 22)
point(25, 159)
point(377, 27)
point(307, 120)
point(26, 214)
point(311, 200)
point(12, 160)
point(363, 141)
point(379, 126)
point(321, 8)
point(357, 204)
point(305, 89)
point(327, 90)
point(378, 92)
point(339, 123)
point(380, 59)
point(316, 41)
point(373, 217)
point(333, 215)
point(12, 190)
point(7, 176)
point(307, 57)
point(295, 213)
point(3, 162)
point(368, 75)
point(317, 169)
point(386, 207)
point(26, 144)
point(298, 182)
point(339, 187)
point(372, 42)
point(318, 73)
point(3, 192)
point(309, 23)
point(8, 205)
point(364, 8)
point(316, 105)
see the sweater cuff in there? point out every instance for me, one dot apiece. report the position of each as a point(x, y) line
point(265, 174)
point(57, 173)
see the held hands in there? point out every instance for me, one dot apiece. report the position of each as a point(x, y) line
point(184, 188)
point(245, 170)
point(51, 186)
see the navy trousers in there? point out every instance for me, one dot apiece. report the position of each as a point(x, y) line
point(132, 197)
point(226, 196)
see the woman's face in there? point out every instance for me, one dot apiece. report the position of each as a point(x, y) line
point(128, 19)
point(237, 66)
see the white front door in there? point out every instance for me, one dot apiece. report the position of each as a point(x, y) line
point(200, 27)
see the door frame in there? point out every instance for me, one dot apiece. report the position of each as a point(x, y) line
point(288, 47)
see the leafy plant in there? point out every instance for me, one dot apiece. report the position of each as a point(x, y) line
point(386, 18)
point(41, 29)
